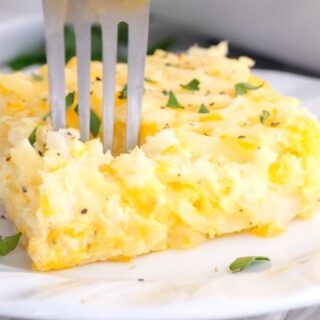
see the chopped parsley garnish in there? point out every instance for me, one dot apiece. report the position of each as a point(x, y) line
point(69, 102)
point(203, 109)
point(95, 122)
point(173, 102)
point(8, 244)
point(243, 87)
point(32, 136)
point(264, 116)
point(123, 95)
point(243, 263)
point(193, 85)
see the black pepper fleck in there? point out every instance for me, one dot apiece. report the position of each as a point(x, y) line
point(275, 124)
point(40, 153)
point(241, 137)
point(98, 79)
point(24, 189)
point(212, 104)
point(3, 217)
point(8, 159)
point(84, 211)
point(141, 280)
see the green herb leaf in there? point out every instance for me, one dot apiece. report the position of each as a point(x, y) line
point(37, 77)
point(203, 109)
point(32, 136)
point(69, 100)
point(193, 85)
point(124, 93)
point(243, 87)
point(173, 102)
point(243, 263)
point(146, 79)
point(95, 122)
point(8, 244)
point(264, 116)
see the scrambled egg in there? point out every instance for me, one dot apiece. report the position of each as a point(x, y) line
point(219, 163)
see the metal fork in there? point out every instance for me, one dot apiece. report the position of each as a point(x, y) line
point(83, 14)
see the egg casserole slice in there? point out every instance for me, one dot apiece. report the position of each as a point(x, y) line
point(221, 152)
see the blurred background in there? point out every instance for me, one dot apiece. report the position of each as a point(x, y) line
point(279, 34)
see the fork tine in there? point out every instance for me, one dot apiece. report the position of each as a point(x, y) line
point(138, 39)
point(54, 15)
point(83, 47)
point(110, 37)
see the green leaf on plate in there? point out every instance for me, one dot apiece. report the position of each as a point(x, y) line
point(8, 244)
point(203, 109)
point(243, 263)
point(193, 85)
point(37, 54)
point(173, 102)
point(243, 87)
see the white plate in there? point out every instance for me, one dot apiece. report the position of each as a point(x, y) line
point(191, 284)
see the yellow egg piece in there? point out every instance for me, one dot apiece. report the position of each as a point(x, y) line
point(224, 162)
